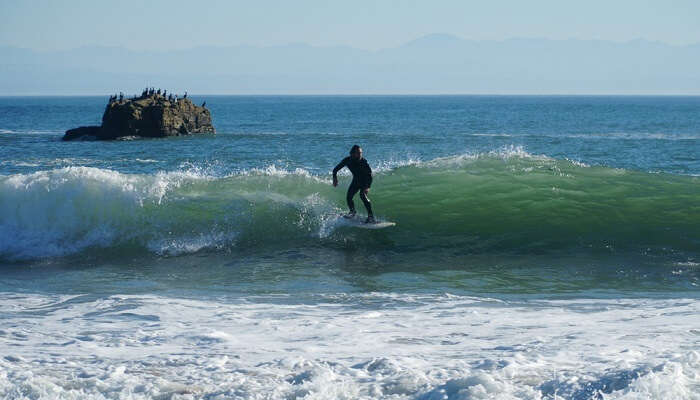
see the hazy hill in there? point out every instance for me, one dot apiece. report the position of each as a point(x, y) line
point(431, 64)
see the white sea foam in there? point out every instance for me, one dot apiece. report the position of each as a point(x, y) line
point(274, 170)
point(391, 164)
point(19, 163)
point(492, 134)
point(57, 212)
point(347, 347)
point(504, 153)
point(688, 264)
point(32, 131)
point(578, 163)
point(190, 244)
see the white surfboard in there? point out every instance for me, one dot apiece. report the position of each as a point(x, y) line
point(359, 222)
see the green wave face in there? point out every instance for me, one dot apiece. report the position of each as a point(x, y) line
point(540, 203)
point(460, 205)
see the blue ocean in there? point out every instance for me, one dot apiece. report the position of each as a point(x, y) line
point(545, 247)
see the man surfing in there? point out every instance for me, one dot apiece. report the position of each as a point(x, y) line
point(361, 181)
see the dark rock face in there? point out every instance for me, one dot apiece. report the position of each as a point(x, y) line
point(84, 132)
point(150, 115)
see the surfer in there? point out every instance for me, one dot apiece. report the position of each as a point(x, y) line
point(361, 181)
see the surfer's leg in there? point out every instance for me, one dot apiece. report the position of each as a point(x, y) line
point(352, 189)
point(368, 204)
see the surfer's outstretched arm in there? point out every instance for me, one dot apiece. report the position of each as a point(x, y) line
point(338, 168)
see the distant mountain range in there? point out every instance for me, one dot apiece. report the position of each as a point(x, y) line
point(434, 64)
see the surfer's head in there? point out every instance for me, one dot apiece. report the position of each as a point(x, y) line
point(356, 152)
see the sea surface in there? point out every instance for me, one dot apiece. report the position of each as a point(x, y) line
point(546, 247)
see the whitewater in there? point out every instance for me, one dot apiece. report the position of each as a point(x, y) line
point(426, 347)
point(546, 247)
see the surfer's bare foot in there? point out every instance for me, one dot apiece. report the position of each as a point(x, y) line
point(349, 215)
point(370, 220)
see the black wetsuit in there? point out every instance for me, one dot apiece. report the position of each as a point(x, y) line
point(361, 179)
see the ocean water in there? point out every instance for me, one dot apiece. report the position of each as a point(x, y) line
point(546, 247)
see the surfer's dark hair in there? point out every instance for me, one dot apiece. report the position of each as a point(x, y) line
point(354, 149)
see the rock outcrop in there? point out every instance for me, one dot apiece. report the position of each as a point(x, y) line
point(150, 115)
point(84, 133)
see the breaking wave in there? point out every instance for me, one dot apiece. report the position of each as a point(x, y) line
point(506, 200)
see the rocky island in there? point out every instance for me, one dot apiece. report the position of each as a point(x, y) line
point(153, 114)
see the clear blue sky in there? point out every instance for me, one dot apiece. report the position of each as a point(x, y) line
point(175, 24)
